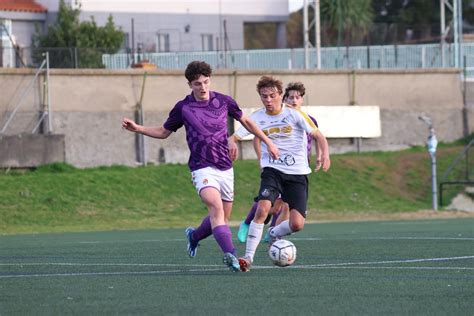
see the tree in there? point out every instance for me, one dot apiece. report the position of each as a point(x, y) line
point(260, 35)
point(73, 43)
point(350, 19)
point(340, 19)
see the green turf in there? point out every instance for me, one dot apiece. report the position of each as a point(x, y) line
point(423, 267)
point(60, 198)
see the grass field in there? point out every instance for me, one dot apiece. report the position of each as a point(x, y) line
point(60, 198)
point(422, 267)
point(110, 240)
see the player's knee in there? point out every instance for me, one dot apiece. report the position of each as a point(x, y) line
point(296, 226)
point(261, 215)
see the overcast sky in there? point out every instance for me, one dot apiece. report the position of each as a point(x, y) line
point(294, 5)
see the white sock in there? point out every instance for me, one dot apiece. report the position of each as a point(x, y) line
point(253, 239)
point(281, 229)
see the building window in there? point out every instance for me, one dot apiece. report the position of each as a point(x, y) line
point(207, 42)
point(162, 42)
point(6, 31)
point(6, 45)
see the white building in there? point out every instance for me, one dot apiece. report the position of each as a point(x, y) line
point(18, 22)
point(182, 25)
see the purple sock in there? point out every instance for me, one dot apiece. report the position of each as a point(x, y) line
point(223, 236)
point(251, 214)
point(204, 230)
point(274, 219)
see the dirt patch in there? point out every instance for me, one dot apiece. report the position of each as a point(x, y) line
point(463, 201)
point(363, 217)
point(423, 214)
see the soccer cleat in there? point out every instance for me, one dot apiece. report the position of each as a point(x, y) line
point(231, 261)
point(243, 231)
point(266, 238)
point(245, 264)
point(192, 245)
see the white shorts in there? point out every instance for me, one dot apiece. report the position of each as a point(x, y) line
point(222, 181)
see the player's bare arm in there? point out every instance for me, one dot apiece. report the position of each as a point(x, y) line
point(318, 156)
point(323, 151)
point(155, 132)
point(257, 147)
point(253, 128)
point(233, 149)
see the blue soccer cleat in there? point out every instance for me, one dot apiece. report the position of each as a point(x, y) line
point(266, 238)
point(231, 261)
point(243, 231)
point(192, 245)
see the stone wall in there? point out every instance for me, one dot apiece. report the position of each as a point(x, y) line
point(88, 106)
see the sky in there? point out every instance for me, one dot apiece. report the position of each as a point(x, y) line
point(295, 5)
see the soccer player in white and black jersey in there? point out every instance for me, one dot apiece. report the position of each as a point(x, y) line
point(288, 175)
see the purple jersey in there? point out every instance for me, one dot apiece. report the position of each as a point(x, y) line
point(206, 128)
point(310, 138)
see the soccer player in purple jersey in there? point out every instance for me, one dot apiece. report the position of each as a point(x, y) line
point(204, 114)
point(293, 97)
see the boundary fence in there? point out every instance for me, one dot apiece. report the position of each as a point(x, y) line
point(355, 57)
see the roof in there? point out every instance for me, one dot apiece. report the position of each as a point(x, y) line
point(21, 6)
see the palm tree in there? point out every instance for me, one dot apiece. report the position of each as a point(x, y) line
point(351, 18)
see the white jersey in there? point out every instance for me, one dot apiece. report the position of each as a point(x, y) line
point(287, 130)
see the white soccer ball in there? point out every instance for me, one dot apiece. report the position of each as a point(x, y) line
point(282, 253)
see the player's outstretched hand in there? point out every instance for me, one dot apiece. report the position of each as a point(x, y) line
point(273, 151)
point(324, 163)
point(129, 125)
point(233, 150)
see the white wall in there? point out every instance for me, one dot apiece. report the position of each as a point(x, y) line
point(228, 7)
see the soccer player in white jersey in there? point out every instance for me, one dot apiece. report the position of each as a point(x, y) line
point(293, 97)
point(287, 175)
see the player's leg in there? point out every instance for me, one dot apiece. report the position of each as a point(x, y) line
point(221, 231)
point(244, 225)
point(193, 235)
point(295, 193)
point(268, 193)
point(287, 227)
point(273, 216)
point(216, 189)
point(204, 230)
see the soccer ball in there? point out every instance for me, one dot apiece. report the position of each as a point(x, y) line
point(282, 253)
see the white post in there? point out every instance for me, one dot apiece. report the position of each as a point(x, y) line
point(443, 33)
point(423, 56)
point(456, 33)
point(432, 144)
point(318, 35)
point(305, 34)
point(50, 116)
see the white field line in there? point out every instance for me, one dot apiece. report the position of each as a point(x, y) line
point(290, 238)
point(384, 238)
point(209, 268)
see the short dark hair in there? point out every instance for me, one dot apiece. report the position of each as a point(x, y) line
point(196, 69)
point(269, 82)
point(297, 86)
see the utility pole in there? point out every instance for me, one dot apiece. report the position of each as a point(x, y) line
point(455, 6)
point(307, 25)
point(432, 144)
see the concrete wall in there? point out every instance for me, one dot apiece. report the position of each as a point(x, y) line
point(88, 106)
point(30, 150)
